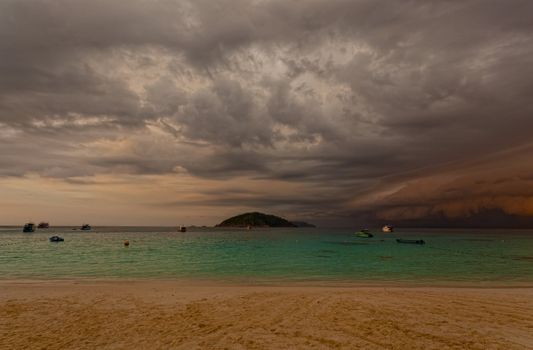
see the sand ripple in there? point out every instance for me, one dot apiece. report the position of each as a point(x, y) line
point(168, 315)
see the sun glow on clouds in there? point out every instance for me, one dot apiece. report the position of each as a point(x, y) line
point(139, 200)
point(498, 181)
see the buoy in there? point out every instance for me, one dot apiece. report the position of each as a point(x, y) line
point(126, 243)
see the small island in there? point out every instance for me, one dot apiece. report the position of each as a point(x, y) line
point(256, 219)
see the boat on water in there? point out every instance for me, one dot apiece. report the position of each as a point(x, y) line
point(364, 233)
point(411, 241)
point(85, 227)
point(29, 227)
point(182, 229)
point(387, 228)
point(56, 239)
point(43, 225)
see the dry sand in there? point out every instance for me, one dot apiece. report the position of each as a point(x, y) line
point(181, 315)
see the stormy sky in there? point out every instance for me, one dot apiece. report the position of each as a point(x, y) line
point(335, 112)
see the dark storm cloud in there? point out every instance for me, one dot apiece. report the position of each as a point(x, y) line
point(359, 95)
point(272, 203)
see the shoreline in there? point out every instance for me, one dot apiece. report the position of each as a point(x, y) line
point(204, 282)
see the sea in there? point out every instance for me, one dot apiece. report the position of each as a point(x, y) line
point(469, 257)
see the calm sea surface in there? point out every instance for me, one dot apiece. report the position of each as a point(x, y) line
point(477, 257)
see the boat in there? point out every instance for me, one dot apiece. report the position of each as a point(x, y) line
point(387, 228)
point(85, 227)
point(411, 241)
point(43, 225)
point(364, 233)
point(29, 227)
point(56, 239)
point(183, 229)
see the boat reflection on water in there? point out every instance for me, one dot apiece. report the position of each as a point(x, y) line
point(411, 241)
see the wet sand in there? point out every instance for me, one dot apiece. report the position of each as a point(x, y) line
point(187, 315)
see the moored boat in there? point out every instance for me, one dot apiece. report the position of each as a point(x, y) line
point(387, 228)
point(85, 227)
point(364, 233)
point(411, 241)
point(182, 229)
point(29, 227)
point(56, 239)
point(43, 225)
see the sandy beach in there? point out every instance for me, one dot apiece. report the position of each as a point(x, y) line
point(185, 315)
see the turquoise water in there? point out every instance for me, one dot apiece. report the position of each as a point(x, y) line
point(499, 257)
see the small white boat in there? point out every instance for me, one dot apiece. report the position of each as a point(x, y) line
point(387, 228)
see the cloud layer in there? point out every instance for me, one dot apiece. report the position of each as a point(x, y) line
point(343, 109)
